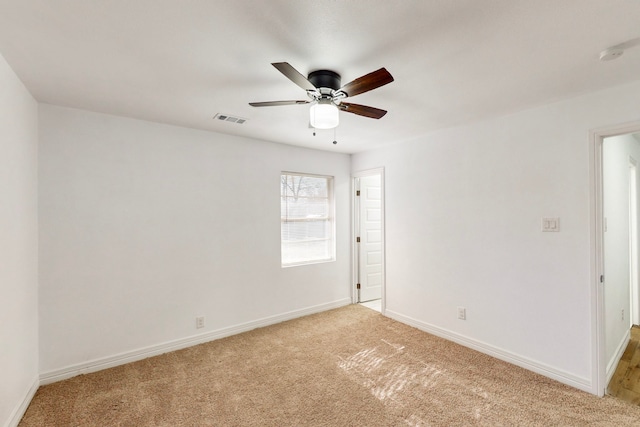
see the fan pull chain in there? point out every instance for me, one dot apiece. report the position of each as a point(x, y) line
point(335, 140)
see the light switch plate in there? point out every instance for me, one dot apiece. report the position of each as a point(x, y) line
point(551, 224)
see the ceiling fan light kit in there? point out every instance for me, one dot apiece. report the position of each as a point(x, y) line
point(326, 95)
point(324, 114)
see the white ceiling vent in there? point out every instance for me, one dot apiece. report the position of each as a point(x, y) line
point(228, 118)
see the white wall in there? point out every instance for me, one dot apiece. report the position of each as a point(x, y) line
point(615, 167)
point(18, 246)
point(145, 226)
point(463, 228)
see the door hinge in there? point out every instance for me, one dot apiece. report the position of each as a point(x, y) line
point(357, 285)
point(357, 240)
point(602, 278)
point(357, 192)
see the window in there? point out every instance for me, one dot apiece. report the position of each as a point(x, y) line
point(306, 219)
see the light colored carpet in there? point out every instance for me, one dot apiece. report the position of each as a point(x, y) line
point(344, 367)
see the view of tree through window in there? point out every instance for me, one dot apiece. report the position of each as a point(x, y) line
point(306, 214)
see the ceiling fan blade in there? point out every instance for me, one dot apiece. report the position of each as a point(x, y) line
point(276, 103)
point(293, 75)
point(367, 82)
point(362, 110)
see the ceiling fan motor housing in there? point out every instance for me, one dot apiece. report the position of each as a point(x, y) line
point(325, 79)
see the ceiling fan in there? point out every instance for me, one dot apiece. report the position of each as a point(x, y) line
point(326, 95)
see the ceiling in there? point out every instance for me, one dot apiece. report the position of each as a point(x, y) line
point(180, 62)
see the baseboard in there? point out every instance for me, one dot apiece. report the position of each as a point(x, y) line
point(19, 411)
point(583, 384)
point(143, 353)
point(613, 363)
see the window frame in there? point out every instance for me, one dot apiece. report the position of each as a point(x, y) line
point(331, 218)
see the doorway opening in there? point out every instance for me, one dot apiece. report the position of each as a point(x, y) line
point(616, 302)
point(368, 238)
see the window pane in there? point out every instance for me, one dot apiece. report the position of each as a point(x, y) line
point(306, 219)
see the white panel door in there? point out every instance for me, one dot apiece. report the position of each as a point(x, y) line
point(370, 227)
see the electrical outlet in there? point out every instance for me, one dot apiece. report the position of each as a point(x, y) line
point(462, 313)
point(551, 224)
point(200, 322)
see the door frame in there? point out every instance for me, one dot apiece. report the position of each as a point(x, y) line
point(596, 140)
point(354, 233)
point(633, 242)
